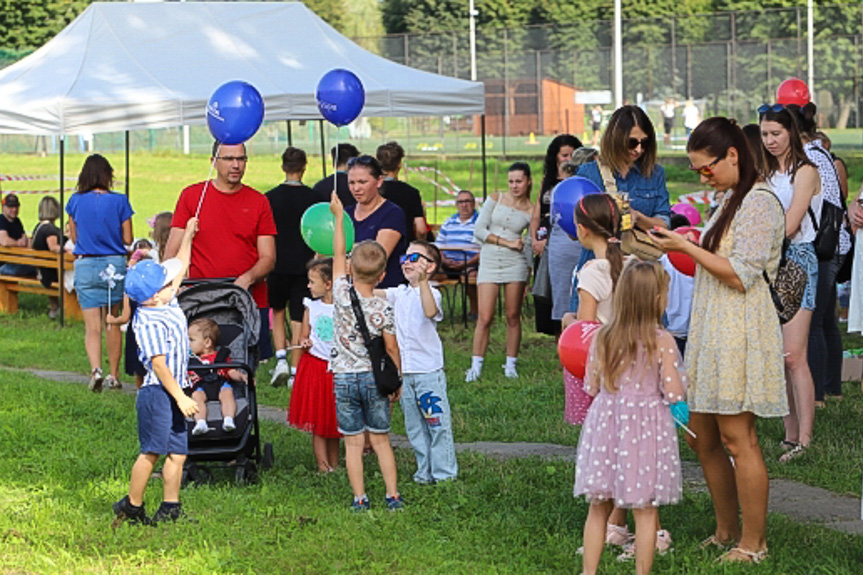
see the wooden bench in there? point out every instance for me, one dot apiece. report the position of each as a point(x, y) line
point(11, 286)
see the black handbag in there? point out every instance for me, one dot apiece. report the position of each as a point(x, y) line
point(387, 378)
point(828, 229)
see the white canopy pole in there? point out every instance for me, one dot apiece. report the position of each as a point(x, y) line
point(618, 56)
point(810, 60)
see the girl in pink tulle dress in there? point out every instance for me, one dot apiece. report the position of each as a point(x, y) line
point(627, 454)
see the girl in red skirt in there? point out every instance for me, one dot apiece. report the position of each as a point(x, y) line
point(313, 403)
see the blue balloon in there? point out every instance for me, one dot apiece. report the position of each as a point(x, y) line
point(340, 96)
point(235, 112)
point(565, 197)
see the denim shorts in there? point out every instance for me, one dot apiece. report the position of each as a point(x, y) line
point(804, 254)
point(161, 425)
point(359, 406)
point(92, 290)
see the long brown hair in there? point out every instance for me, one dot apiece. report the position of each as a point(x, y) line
point(614, 149)
point(637, 315)
point(599, 214)
point(161, 231)
point(96, 174)
point(797, 155)
point(715, 136)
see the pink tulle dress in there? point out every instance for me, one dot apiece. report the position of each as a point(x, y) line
point(628, 451)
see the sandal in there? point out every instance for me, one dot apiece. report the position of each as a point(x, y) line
point(714, 541)
point(798, 451)
point(786, 445)
point(740, 555)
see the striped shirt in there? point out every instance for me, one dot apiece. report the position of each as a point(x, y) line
point(163, 330)
point(454, 231)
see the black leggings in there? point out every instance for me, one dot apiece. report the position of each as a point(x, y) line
point(825, 340)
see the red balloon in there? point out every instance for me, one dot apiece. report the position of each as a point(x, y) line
point(574, 345)
point(793, 91)
point(681, 261)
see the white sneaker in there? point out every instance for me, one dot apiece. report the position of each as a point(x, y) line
point(96, 380)
point(281, 374)
point(200, 427)
point(471, 375)
point(228, 424)
point(509, 373)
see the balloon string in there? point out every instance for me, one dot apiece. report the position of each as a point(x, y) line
point(336, 164)
point(207, 183)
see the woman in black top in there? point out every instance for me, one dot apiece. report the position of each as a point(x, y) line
point(47, 237)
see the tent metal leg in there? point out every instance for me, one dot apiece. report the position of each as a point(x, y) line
point(127, 163)
point(290, 135)
point(482, 144)
point(62, 271)
point(323, 148)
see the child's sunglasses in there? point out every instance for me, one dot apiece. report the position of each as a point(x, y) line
point(707, 169)
point(414, 258)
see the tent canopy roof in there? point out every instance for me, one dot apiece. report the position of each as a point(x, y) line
point(127, 66)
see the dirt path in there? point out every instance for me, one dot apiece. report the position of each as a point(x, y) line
point(798, 501)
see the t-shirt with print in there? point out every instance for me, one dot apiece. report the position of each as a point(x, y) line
point(226, 245)
point(163, 330)
point(320, 327)
point(349, 353)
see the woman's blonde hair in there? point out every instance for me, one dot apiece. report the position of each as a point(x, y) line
point(161, 231)
point(614, 149)
point(637, 314)
point(49, 208)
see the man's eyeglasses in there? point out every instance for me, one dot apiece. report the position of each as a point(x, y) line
point(633, 143)
point(232, 159)
point(775, 108)
point(707, 169)
point(464, 201)
point(414, 258)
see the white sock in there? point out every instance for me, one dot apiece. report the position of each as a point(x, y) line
point(293, 370)
point(200, 427)
point(360, 498)
point(510, 362)
point(281, 354)
point(476, 363)
point(228, 424)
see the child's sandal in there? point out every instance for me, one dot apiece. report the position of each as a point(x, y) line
point(739, 555)
point(786, 445)
point(798, 451)
point(714, 541)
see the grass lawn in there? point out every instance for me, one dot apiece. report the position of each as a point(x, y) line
point(67, 455)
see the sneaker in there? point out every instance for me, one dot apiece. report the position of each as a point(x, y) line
point(170, 514)
point(125, 511)
point(663, 546)
point(617, 535)
point(201, 427)
point(509, 372)
point(96, 380)
point(471, 375)
point(395, 503)
point(112, 382)
point(281, 374)
point(361, 505)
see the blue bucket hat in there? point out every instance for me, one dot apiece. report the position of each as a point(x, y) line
point(146, 278)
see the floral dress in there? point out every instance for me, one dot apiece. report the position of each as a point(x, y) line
point(734, 352)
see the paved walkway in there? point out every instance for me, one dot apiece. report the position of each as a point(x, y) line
point(798, 501)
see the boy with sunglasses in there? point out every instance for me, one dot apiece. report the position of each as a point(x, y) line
point(417, 310)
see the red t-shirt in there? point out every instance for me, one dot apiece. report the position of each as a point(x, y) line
point(226, 244)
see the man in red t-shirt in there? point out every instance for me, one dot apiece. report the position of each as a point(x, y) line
point(236, 231)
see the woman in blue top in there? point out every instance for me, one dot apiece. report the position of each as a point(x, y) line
point(375, 217)
point(100, 224)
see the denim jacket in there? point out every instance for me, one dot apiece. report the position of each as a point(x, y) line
point(646, 195)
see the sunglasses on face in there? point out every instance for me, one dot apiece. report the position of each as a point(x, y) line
point(633, 143)
point(414, 258)
point(707, 169)
point(764, 108)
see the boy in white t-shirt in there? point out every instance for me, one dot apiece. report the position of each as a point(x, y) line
point(428, 421)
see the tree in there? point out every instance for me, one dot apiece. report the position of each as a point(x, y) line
point(27, 24)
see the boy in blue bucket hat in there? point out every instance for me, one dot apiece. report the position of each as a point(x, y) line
point(161, 404)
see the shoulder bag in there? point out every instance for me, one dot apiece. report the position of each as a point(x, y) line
point(787, 289)
point(832, 218)
point(387, 378)
point(633, 241)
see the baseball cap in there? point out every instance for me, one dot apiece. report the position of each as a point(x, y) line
point(147, 277)
point(11, 201)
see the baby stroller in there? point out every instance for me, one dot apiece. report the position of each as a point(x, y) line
point(233, 308)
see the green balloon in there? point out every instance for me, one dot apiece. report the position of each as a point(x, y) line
point(317, 227)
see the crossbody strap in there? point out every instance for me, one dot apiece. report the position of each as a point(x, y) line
point(360, 317)
point(785, 241)
point(607, 177)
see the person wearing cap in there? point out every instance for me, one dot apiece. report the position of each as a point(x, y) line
point(12, 236)
point(162, 405)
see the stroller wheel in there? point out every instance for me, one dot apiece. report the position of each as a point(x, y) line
point(196, 475)
point(246, 473)
point(268, 458)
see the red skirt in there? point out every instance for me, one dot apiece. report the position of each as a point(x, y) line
point(313, 399)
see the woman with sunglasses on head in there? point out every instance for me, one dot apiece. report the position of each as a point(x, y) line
point(504, 260)
point(795, 181)
point(734, 350)
point(375, 217)
point(550, 241)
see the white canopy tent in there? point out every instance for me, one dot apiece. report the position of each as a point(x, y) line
point(128, 66)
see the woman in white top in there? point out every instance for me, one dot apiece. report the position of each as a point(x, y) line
point(795, 181)
point(503, 260)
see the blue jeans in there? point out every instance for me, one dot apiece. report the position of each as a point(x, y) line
point(428, 423)
point(21, 270)
point(359, 406)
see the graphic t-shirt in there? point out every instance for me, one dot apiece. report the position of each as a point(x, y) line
point(226, 245)
point(321, 324)
point(349, 353)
